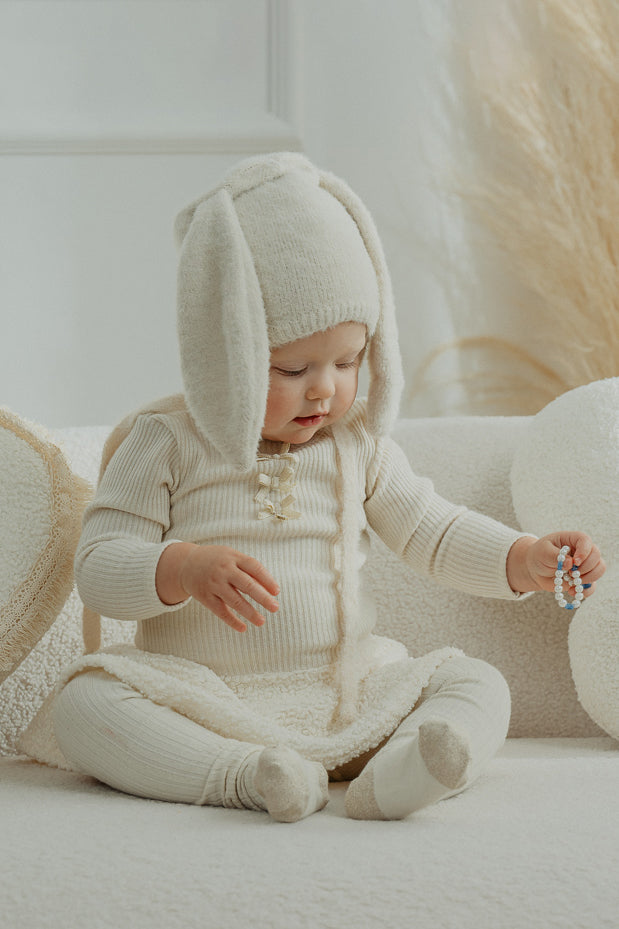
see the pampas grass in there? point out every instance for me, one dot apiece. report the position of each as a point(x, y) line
point(539, 103)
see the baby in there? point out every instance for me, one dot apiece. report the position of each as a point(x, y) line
point(232, 525)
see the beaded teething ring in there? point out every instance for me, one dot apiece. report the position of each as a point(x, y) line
point(573, 579)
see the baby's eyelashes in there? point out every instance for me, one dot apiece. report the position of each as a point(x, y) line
point(290, 373)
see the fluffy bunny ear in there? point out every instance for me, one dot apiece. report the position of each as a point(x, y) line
point(222, 329)
point(385, 363)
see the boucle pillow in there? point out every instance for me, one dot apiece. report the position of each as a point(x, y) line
point(40, 518)
point(26, 694)
point(565, 474)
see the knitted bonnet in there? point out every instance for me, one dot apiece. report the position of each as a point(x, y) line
point(278, 251)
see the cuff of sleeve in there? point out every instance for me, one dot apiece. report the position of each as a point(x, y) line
point(167, 607)
point(514, 594)
point(123, 585)
point(474, 557)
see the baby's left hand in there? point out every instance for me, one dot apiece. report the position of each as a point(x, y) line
point(531, 563)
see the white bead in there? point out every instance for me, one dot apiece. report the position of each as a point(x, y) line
point(573, 581)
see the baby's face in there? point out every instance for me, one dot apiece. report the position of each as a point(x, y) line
point(313, 382)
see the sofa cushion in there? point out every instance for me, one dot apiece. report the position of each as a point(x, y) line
point(556, 486)
point(469, 459)
point(42, 503)
point(44, 484)
point(531, 845)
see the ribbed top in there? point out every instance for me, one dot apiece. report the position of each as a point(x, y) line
point(304, 513)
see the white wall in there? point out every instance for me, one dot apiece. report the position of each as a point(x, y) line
point(116, 113)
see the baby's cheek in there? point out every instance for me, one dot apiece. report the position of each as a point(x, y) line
point(276, 399)
point(279, 401)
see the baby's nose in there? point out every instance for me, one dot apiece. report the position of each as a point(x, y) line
point(322, 387)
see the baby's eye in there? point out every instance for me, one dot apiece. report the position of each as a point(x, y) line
point(348, 364)
point(288, 373)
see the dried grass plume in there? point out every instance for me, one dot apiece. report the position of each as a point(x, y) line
point(537, 93)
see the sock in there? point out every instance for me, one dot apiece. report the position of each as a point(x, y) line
point(291, 787)
point(108, 730)
point(459, 723)
point(411, 771)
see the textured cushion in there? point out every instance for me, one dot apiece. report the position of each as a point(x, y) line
point(42, 503)
point(565, 473)
point(532, 845)
point(24, 691)
point(469, 459)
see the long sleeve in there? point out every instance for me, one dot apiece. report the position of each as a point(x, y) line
point(453, 545)
point(124, 527)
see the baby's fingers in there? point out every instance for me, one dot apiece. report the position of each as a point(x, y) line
point(217, 606)
point(248, 585)
point(589, 563)
point(586, 557)
point(592, 568)
point(233, 599)
point(230, 606)
point(256, 570)
point(242, 584)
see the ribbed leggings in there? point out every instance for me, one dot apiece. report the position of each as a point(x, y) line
point(108, 730)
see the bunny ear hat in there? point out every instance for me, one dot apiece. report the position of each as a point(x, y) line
point(277, 252)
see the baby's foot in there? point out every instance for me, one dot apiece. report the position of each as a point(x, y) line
point(291, 786)
point(360, 801)
point(410, 772)
point(446, 753)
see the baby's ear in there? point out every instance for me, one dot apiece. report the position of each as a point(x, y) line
point(222, 329)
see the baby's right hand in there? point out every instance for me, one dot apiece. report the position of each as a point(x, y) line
point(218, 577)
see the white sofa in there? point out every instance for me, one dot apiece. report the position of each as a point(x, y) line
point(535, 843)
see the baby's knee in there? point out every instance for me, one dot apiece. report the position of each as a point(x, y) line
point(480, 670)
point(472, 675)
point(472, 669)
point(78, 714)
point(491, 687)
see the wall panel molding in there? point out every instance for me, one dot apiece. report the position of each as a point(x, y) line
point(278, 125)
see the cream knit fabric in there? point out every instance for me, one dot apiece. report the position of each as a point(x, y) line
point(277, 252)
point(314, 677)
point(110, 731)
point(442, 747)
